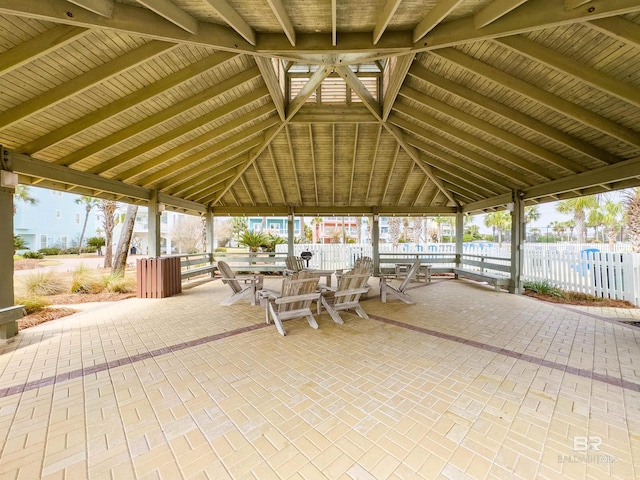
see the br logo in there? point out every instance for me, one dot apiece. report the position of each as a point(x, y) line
point(584, 444)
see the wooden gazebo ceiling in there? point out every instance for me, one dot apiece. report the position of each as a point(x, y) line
point(480, 100)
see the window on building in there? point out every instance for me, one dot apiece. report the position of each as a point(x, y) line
point(64, 242)
point(43, 241)
point(58, 214)
point(77, 218)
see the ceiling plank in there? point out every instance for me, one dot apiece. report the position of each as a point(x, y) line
point(562, 63)
point(243, 181)
point(171, 12)
point(39, 46)
point(169, 175)
point(262, 185)
point(312, 84)
point(392, 167)
point(153, 120)
point(294, 170)
point(354, 113)
point(282, 16)
point(184, 129)
point(356, 85)
point(83, 82)
point(507, 171)
point(271, 80)
point(397, 75)
point(486, 127)
point(438, 13)
point(224, 168)
point(275, 169)
point(495, 10)
point(619, 28)
point(547, 99)
point(353, 163)
point(513, 115)
point(488, 147)
point(423, 185)
point(312, 155)
point(384, 18)
point(103, 8)
point(530, 16)
point(233, 19)
point(125, 103)
point(373, 163)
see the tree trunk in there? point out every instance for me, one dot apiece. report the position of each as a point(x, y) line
point(120, 261)
point(84, 228)
point(108, 207)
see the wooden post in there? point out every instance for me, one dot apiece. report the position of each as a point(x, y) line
point(459, 236)
point(375, 242)
point(154, 225)
point(517, 241)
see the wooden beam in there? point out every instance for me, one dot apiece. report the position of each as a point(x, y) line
point(356, 85)
point(125, 103)
point(399, 67)
point(103, 8)
point(334, 22)
point(384, 18)
point(373, 162)
point(174, 134)
point(282, 16)
point(353, 163)
point(273, 84)
point(495, 10)
point(171, 12)
point(294, 170)
point(578, 70)
point(153, 120)
point(275, 169)
point(312, 155)
point(438, 13)
point(509, 172)
point(569, 4)
point(354, 113)
point(619, 28)
point(262, 185)
point(547, 99)
point(389, 176)
point(233, 19)
point(39, 46)
point(513, 115)
point(488, 128)
point(83, 82)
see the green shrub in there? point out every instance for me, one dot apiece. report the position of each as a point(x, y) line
point(32, 303)
point(50, 251)
point(30, 254)
point(84, 280)
point(543, 287)
point(42, 282)
point(118, 283)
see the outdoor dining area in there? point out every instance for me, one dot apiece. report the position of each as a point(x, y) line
point(464, 382)
point(301, 287)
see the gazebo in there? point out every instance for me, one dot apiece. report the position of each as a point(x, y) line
point(310, 108)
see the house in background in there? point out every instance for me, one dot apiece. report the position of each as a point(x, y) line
point(55, 221)
point(278, 226)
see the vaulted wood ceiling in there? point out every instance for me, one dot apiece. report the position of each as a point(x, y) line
point(479, 100)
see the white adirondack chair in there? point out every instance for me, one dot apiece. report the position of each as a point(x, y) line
point(299, 290)
point(386, 288)
point(351, 286)
point(249, 288)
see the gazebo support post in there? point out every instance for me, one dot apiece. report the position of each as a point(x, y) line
point(375, 242)
point(459, 236)
point(517, 242)
point(210, 232)
point(154, 225)
point(290, 232)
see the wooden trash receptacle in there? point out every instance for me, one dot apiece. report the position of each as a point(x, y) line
point(158, 277)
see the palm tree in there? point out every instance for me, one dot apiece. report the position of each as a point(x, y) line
point(23, 194)
point(108, 208)
point(501, 220)
point(531, 214)
point(594, 220)
point(317, 223)
point(632, 215)
point(394, 230)
point(576, 207)
point(89, 203)
point(417, 229)
point(612, 220)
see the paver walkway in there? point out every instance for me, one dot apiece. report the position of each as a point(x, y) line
point(466, 383)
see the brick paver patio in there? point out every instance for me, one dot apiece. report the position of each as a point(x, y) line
point(467, 383)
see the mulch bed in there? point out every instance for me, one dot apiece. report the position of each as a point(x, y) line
point(572, 298)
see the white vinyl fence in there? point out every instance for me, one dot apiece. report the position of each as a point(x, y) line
point(590, 268)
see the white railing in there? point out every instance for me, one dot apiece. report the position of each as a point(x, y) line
point(604, 274)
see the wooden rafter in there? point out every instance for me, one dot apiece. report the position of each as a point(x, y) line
point(353, 162)
point(294, 170)
point(384, 18)
point(233, 19)
point(373, 162)
point(495, 10)
point(282, 16)
point(438, 13)
point(83, 82)
point(312, 156)
point(171, 12)
point(103, 8)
